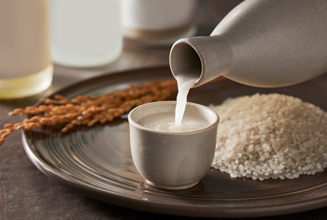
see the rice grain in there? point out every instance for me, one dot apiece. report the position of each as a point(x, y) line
point(270, 136)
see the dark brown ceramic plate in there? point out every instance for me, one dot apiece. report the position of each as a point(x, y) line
point(97, 162)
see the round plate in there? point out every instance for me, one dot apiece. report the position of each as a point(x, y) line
point(97, 161)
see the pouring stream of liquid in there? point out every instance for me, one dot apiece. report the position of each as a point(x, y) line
point(184, 83)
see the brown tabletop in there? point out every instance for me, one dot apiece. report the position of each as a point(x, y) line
point(26, 193)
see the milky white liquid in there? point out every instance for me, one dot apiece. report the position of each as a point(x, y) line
point(166, 122)
point(184, 84)
point(178, 121)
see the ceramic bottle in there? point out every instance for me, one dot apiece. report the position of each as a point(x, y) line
point(157, 22)
point(263, 43)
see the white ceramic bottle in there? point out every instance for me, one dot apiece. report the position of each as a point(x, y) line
point(158, 22)
point(25, 65)
point(263, 43)
point(85, 33)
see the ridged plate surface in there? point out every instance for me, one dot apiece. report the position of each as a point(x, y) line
point(97, 161)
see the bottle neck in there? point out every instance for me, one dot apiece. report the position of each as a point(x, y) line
point(204, 58)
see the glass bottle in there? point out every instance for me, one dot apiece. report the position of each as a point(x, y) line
point(25, 64)
point(85, 33)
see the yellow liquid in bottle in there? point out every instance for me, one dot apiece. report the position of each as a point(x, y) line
point(25, 64)
point(26, 86)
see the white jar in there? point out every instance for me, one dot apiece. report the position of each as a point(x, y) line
point(85, 33)
point(158, 21)
point(259, 43)
point(25, 65)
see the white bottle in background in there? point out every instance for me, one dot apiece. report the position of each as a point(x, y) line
point(158, 22)
point(85, 33)
point(25, 64)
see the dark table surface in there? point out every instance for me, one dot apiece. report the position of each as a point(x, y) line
point(26, 193)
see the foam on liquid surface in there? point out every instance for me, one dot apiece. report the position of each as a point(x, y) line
point(166, 122)
point(177, 121)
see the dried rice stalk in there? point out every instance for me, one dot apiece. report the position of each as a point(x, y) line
point(89, 110)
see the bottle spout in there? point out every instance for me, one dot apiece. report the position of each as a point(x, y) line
point(203, 58)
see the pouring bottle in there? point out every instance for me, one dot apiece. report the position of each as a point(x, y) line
point(262, 43)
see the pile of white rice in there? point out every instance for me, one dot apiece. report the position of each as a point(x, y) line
point(270, 136)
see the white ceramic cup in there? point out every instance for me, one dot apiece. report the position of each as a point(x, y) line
point(172, 160)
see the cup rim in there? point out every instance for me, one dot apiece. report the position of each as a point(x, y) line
point(212, 125)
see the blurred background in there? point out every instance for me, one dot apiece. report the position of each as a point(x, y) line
point(74, 40)
point(140, 53)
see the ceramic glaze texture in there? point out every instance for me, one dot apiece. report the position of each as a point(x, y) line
point(172, 160)
point(264, 43)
